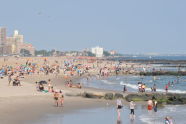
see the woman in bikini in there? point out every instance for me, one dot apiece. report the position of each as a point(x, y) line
point(119, 107)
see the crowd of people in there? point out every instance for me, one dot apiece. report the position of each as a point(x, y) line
point(71, 68)
point(73, 85)
point(141, 87)
point(170, 84)
point(58, 98)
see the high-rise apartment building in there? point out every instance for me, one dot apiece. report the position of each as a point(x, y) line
point(98, 51)
point(14, 44)
point(2, 35)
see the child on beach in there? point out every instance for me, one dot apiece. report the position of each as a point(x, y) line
point(168, 120)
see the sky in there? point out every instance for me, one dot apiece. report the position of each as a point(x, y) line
point(128, 26)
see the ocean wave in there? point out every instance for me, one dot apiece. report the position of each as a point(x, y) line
point(171, 108)
point(149, 120)
point(117, 78)
point(108, 82)
point(151, 81)
point(133, 86)
point(129, 85)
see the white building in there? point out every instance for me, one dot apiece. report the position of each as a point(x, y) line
point(18, 37)
point(98, 51)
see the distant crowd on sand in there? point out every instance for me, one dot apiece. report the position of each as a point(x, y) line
point(69, 68)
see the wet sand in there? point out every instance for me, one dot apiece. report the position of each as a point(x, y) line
point(22, 110)
point(108, 115)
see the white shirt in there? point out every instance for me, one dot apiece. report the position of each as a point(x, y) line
point(119, 102)
point(132, 105)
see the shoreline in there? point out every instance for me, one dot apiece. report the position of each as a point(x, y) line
point(23, 103)
point(20, 105)
point(21, 110)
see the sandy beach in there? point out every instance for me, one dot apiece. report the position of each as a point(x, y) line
point(27, 109)
point(24, 104)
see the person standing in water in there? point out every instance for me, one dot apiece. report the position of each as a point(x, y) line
point(124, 88)
point(155, 106)
point(154, 88)
point(132, 106)
point(166, 88)
point(119, 107)
point(150, 105)
point(168, 120)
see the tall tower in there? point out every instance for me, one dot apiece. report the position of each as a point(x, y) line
point(2, 35)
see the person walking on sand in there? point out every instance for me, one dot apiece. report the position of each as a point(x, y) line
point(9, 79)
point(61, 98)
point(119, 107)
point(132, 106)
point(49, 86)
point(56, 98)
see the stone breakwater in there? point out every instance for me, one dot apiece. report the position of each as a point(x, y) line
point(162, 98)
point(169, 98)
point(173, 73)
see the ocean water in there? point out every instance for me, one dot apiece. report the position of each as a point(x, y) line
point(108, 115)
point(148, 57)
point(117, 82)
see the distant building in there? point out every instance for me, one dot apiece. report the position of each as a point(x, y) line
point(2, 35)
point(113, 52)
point(74, 53)
point(14, 44)
point(98, 51)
